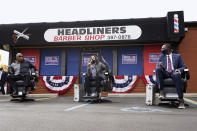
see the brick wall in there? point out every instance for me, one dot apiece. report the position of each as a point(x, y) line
point(188, 50)
point(140, 87)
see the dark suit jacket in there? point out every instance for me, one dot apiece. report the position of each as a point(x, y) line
point(100, 70)
point(176, 60)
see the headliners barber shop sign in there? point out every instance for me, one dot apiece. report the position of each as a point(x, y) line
point(130, 32)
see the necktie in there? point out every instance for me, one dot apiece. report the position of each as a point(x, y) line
point(169, 64)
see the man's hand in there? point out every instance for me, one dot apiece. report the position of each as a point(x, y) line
point(161, 65)
point(37, 74)
point(177, 70)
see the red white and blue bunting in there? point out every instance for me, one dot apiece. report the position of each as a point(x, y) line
point(149, 79)
point(124, 84)
point(58, 84)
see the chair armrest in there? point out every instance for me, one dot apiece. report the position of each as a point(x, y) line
point(106, 73)
point(186, 74)
point(186, 70)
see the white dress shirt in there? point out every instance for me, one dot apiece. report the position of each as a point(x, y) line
point(171, 61)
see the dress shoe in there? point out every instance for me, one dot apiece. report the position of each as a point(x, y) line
point(181, 104)
point(161, 94)
point(87, 94)
point(94, 95)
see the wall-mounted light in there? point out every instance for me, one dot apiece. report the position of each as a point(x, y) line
point(186, 29)
point(6, 47)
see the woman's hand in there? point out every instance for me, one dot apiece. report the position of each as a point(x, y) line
point(103, 59)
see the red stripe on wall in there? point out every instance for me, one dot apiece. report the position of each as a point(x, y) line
point(148, 66)
point(33, 52)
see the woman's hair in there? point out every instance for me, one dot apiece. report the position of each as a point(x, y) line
point(96, 58)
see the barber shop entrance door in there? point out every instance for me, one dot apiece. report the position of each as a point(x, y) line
point(85, 59)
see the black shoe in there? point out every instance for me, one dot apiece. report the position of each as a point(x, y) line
point(14, 94)
point(94, 94)
point(87, 94)
point(161, 94)
point(32, 88)
point(181, 104)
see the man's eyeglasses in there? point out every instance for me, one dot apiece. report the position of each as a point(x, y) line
point(20, 56)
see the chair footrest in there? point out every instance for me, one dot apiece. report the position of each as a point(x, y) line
point(90, 97)
point(171, 95)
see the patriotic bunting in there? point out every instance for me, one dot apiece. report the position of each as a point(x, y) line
point(124, 84)
point(58, 84)
point(149, 79)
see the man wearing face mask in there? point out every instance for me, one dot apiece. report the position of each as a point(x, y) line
point(170, 65)
point(95, 71)
point(19, 70)
point(3, 78)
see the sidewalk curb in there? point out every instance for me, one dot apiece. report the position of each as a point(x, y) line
point(36, 95)
point(143, 95)
point(126, 95)
point(190, 95)
point(43, 95)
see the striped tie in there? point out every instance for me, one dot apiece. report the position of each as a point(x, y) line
point(169, 64)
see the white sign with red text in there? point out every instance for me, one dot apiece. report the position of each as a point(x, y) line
point(129, 32)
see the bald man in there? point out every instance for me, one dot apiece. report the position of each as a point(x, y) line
point(20, 70)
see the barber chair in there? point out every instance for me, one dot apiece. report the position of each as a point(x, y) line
point(22, 91)
point(170, 90)
point(94, 94)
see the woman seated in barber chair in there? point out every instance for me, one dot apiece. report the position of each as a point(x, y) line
point(98, 75)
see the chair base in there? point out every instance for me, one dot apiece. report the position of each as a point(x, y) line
point(22, 99)
point(170, 97)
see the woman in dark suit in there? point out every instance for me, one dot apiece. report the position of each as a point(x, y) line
point(95, 72)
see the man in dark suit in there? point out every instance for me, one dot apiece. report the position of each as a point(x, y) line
point(170, 65)
point(3, 78)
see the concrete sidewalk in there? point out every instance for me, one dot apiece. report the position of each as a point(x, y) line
point(143, 94)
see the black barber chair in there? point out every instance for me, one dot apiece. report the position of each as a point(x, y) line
point(95, 94)
point(170, 90)
point(22, 91)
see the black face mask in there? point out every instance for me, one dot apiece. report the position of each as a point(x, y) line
point(93, 61)
point(164, 51)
